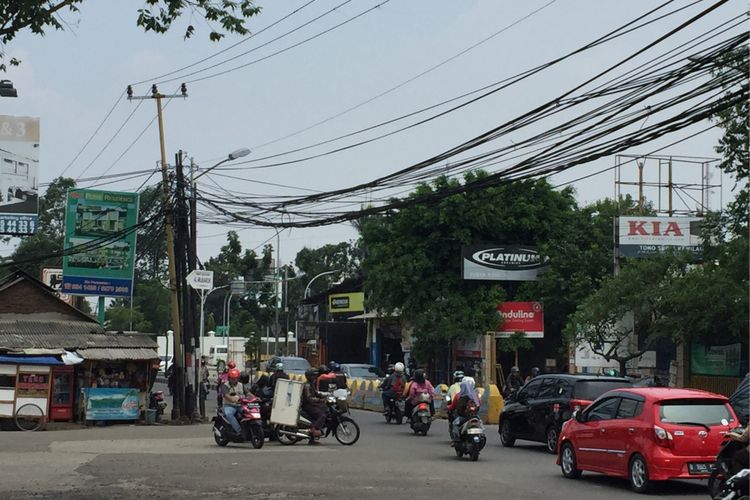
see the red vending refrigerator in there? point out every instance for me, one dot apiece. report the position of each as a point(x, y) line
point(61, 402)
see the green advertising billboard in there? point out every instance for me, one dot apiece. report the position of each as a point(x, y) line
point(102, 225)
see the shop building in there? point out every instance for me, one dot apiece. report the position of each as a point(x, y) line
point(57, 359)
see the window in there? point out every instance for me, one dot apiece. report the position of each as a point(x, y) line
point(589, 390)
point(548, 389)
point(7, 381)
point(603, 410)
point(530, 390)
point(695, 411)
point(629, 408)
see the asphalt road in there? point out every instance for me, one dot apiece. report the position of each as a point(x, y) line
point(389, 461)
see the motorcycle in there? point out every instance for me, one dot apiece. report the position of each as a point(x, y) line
point(471, 438)
point(251, 425)
point(421, 419)
point(157, 402)
point(343, 427)
point(726, 464)
point(394, 410)
point(736, 487)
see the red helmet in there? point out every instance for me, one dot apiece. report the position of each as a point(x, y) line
point(231, 365)
point(234, 373)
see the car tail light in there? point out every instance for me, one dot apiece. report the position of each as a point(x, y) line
point(578, 404)
point(663, 437)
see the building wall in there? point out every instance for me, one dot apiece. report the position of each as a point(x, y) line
point(27, 298)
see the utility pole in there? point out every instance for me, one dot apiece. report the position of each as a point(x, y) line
point(178, 402)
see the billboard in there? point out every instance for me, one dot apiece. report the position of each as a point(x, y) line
point(103, 220)
point(501, 263)
point(526, 317)
point(52, 277)
point(19, 175)
point(646, 236)
point(719, 360)
point(346, 302)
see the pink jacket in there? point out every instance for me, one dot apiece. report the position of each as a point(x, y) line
point(416, 389)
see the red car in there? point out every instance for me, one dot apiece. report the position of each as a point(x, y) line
point(646, 434)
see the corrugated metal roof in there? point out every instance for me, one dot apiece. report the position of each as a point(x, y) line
point(69, 335)
point(137, 353)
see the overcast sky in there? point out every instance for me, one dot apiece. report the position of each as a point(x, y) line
point(72, 78)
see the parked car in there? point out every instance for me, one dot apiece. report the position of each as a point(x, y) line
point(363, 371)
point(647, 434)
point(740, 400)
point(538, 411)
point(292, 364)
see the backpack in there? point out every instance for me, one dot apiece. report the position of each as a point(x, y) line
point(397, 385)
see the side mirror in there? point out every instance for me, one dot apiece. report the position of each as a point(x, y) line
point(578, 415)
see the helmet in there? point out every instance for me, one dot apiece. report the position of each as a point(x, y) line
point(231, 365)
point(399, 367)
point(390, 369)
point(458, 375)
point(234, 373)
point(514, 369)
point(323, 370)
point(419, 376)
point(311, 374)
point(279, 367)
point(469, 381)
point(334, 366)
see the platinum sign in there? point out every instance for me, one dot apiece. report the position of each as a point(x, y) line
point(501, 262)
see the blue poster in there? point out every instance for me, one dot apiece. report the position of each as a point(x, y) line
point(112, 404)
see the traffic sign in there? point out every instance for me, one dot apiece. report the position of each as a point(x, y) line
point(201, 280)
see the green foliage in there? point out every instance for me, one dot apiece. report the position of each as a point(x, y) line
point(517, 341)
point(118, 318)
point(412, 258)
point(344, 257)
point(39, 16)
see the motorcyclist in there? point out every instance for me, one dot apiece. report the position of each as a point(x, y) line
point(420, 385)
point(455, 388)
point(464, 405)
point(278, 372)
point(339, 376)
point(231, 392)
point(393, 386)
point(313, 405)
point(325, 379)
point(513, 383)
point(223, 377)
point(534, 373)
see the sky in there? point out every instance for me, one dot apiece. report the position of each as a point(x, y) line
point(71, 80)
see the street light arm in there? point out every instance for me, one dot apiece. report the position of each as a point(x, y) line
point(307, 288)
point(231, 156)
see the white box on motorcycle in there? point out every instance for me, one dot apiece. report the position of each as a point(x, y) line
point(287, 398)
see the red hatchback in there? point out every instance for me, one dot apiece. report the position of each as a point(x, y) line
point(646, 434)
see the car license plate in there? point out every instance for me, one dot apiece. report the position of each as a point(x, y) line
point(700, 468)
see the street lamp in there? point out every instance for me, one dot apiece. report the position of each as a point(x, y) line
point(231, 156)
point(307, 288)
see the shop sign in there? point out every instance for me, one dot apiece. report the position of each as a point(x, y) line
point(104, 403)
point(721, 360)
point(52, 277)
point(646, 236)
point(501, 262)
point(346, 302)
point(32, 385)
point(525, 317)
point(100, 227)
point(469, 348)
point(19, 175)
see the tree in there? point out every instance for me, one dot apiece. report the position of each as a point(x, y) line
point(48, 240)
point(121, 318)
point(632, 312)
point(412, 262)
point(344, 257)
point(39, 16)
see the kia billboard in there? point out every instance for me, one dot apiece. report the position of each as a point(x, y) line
point(501, 262)
point(646, 236)
point(525, 317)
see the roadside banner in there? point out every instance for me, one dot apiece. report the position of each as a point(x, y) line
point(19, 175)
point(525, 317)
point(647, 236)
point(102, 224)
point(501, 263)
point(105, 403)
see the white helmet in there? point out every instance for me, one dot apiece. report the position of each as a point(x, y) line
point(398, 367)
point(469, 381)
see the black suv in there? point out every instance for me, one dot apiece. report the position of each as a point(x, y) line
point(537, 411)
point(292, 364)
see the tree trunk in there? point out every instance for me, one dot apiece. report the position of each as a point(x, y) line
point(623, 367)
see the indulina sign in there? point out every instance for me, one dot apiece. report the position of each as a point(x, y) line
point(501, 262)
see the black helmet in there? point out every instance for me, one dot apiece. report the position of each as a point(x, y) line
point(311, 374)
point(323, 370)
point(390, 369)
point(334, 367)
point(419, 376)
point(514, 369)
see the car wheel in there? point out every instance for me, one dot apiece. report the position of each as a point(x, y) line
point(568, 462)
point(552, 439)
point(639, 481)
point(506, 437)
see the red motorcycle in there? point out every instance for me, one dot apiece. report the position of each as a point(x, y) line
point(251, 425)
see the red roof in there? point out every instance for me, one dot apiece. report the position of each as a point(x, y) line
point(662, 393)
